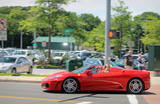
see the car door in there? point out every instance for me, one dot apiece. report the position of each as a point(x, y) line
point(92, 81)
point(111, 80)
point(102, 81)
point(19, 65)
point(26, 64)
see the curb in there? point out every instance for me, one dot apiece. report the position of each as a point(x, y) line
point(20, 81)
point(23, 79)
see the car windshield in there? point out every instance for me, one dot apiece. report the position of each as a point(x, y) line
point(82, 69)
point(7, 60)
point(20, 53)
point(2, 53)
point(86, 54)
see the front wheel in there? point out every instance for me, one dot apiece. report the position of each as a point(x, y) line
point(13, 71)
point(135, 86)
point(70, 85)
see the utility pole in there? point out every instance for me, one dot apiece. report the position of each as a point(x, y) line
point(49, 31)
point(107, 29)
point(2, 43)
point(34, 36)
point(21, 44)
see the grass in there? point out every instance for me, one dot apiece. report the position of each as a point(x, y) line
point(48, 65)
point(18, 74)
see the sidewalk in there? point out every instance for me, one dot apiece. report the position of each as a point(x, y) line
point(30, 79)
point(46, 71)
point(20, 79)
point(153, 94)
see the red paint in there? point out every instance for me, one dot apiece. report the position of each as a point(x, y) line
point(115, 80)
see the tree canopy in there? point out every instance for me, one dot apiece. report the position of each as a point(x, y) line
point(48, 15)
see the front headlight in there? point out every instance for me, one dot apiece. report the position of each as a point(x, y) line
point(56, 76)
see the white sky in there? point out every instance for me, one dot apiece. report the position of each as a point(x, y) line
point(96, 7)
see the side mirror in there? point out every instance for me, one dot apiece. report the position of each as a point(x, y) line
point(19, 62)
point(123, 70)
point(88, 71)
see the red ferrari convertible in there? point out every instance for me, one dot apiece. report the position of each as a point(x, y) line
point(95, 78)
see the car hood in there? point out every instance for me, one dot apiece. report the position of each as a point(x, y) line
point(63, 73)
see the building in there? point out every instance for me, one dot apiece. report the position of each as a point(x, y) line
point(57, 43)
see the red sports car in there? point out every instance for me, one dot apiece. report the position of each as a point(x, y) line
point(95, 78)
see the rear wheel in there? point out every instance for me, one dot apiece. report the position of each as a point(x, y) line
point(135, 86)
point(30, 70)
point(70, 85)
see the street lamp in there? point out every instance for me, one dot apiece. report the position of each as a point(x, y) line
point(65, 44)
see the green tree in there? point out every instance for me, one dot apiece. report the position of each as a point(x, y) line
point(146, 36)
point(151, 32)
point(14, 15)
point(122, 22)
point(48, 11)
point(89, 21)
point(146, 16)
point(95, 38)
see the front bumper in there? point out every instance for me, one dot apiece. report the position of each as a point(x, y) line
point(51, 85)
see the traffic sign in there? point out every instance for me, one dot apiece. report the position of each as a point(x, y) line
point(3, 29)
point(44, 44)
point(3, 24)
point(69, 31)
point(3, 35)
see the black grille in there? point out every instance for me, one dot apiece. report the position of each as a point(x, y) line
point(45, 85)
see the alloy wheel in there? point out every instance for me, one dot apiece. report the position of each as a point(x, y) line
point(135, 86)
point(70, 85)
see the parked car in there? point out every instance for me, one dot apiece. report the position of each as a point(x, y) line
point(58, 56)
point(4, 53)
point(37, 57)
point(15, 64)
point(89, 78)
point(24, 53)
point(82, 55)
point(10, 50)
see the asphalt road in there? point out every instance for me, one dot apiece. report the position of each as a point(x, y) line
point(31, 93)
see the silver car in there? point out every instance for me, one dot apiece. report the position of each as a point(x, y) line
point(15, 64)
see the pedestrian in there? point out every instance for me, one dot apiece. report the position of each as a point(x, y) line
point(129, 61)
point(141, 62)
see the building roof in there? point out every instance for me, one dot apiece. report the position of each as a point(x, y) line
point(57, 39)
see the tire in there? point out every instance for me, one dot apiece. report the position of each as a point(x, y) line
point(135, 86)
point(70, 85)
point(13, 71)
point(30, 70)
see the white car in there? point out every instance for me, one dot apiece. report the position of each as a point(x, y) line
point(24, 53)
point(15, 64)
point(58, 56)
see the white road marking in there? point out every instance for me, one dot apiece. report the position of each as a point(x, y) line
point(84, 102)
point(132, 99)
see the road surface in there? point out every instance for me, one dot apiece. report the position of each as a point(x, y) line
point(31, 93)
